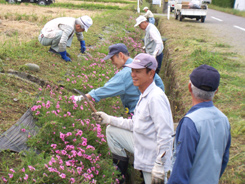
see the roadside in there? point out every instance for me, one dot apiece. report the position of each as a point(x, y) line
point(190, 44)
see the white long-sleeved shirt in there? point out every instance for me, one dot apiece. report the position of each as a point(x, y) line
point(153, 40)
point(148, 14)
point(152, 127)
point(67, 26)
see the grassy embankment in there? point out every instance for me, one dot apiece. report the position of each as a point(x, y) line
point(190, 45)
point(185, 50)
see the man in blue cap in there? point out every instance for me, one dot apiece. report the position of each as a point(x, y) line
point(122, 83)
point(201, 148)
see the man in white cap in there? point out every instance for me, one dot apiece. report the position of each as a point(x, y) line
point(58, 34)
point(152, 40)
point(148, 135)
point(149, 15)
point(122, 83)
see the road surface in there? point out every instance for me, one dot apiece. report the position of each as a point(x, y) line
point(229, 28)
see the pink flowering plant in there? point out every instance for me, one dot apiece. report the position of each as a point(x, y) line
point(69, 146)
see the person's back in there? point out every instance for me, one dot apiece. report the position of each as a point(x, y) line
point(202, 141)
point(213, 128)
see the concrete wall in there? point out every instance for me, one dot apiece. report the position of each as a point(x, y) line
point(239, 5)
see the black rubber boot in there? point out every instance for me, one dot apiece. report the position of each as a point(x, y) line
point(122, 165)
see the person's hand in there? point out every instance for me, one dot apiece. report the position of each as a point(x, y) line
point(64, 56)
point(101, 117)
point(157, 174)
point(154, 54)
point(83, 47)
point(77, 98)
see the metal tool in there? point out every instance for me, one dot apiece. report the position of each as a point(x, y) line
point(86, 98)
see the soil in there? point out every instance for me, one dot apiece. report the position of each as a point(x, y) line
point(25, 30)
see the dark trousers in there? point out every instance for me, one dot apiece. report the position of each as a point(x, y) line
point(159, 61)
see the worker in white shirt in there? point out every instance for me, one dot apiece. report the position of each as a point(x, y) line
point(59, 32)
point(152, 40)
point(148, 135)
point(149, 15)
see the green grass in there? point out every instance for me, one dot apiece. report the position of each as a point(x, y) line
point(189, 48)
point(228, 10)
point(112, 1)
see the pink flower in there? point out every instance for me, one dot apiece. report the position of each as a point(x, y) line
point(26, 177)
point(4, 179)
point(72, 180)
point(12, 170)
point(23, 169)
point(10, 175)
point(23, 130)
point(62, 175)
point(53, 146)
point(31, 168)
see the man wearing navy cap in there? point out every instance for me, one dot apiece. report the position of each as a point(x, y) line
point(122, 83)
point(148, 135)
point(201, 148)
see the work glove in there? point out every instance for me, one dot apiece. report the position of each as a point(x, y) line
point(78, 98)
point(143, 47)
point(154, 54)
point(64, 56)
point(101, 117)
point(157, 173)
point(83, 47)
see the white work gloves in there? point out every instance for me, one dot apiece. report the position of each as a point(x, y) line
point(157, 173)
point(143, 47)
point(101, 117)
point(77, 98)
point(154, 54)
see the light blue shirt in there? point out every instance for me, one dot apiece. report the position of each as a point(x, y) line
point(122, 84)
point(202, 145)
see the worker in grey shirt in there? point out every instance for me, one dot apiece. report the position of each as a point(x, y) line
point(148, 135)
point(58, 34)
point(149, 15)
point(152, 40)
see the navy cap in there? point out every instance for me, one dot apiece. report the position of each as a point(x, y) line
point(205, 78)
point(115, 49)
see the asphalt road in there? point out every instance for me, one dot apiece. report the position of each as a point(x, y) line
point(229, 28)
point(226, 28)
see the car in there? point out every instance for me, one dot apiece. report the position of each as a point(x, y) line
point(171, 4)
point(40, 2)
point(207, 1)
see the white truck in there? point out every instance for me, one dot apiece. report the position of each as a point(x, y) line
point(190, 9)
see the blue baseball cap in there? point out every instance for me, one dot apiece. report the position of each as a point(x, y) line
point(115, 49)
point(205, 77)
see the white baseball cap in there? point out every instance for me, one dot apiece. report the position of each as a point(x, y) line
point(86, 21)
point(146, 8)
point(139, 20)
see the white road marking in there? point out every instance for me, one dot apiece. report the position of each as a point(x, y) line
point(217, 19)
point(239, 28)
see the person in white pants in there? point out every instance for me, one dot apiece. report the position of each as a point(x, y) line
point(148, 135)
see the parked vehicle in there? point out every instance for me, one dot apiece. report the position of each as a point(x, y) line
point(40, 2)
point(190, 9)
point(171, 4)
point(207, 1)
